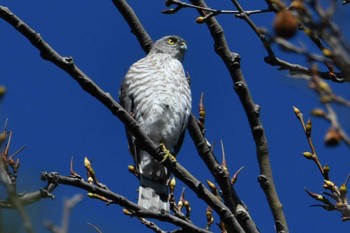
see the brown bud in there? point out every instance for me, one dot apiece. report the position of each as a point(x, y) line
point(326, 52)
point(342, 190)
point(186, 204)
point(209, 215)
point(326, 99)
point(308, 128)
point(132, 170)
point(211, 185)
point(324, 87)
point(180, 204)
point(298, 5)
point(285, 24)
point(3, 136)
point(314, 70)
point(326, 170)
point(333, 137)
point(318, 112)
point(201, 110)
point(127, 212)
point(200, 20)
point(2, 90)
point(188, 207)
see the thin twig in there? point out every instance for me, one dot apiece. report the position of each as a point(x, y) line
point(214, 12)
point(95, 227)
point(230, 196)
point(14, 201)
point(68, 205)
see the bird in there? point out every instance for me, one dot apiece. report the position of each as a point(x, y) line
point(156, 92)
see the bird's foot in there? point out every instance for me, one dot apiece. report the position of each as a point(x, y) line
point(166, 154)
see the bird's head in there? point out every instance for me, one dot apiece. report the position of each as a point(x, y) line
point(173, 45)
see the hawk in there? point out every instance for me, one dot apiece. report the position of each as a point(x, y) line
point(156, 92)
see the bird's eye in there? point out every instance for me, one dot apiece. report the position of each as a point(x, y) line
point(171, 41)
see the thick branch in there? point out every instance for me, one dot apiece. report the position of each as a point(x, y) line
point(67, 64)
point(232, 62)
point(134, 23)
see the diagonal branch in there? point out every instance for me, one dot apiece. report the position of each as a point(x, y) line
point(134, 23)
point(29, 198)
point(140, 30)
point(56, 178)
point(229, 195)
point(232, 62)
point(271, 58)
point(67, 64)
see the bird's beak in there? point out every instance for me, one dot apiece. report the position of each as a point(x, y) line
point(183, 45)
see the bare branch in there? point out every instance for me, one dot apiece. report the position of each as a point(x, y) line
point(67, 64)
point(151, 225)
point(120, 200)
point(95, 227)
point(68, 204)
point(14, 201)
point(230, 196)
point(232, 62)
point(135, 24)
point(30, 198)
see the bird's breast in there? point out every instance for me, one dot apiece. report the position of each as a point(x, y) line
point(161, 98)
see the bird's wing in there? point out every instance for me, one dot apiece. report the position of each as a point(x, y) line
point(127, 103)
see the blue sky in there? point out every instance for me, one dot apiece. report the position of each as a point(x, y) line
point(50, 114)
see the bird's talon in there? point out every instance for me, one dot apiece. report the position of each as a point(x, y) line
point(167, 154)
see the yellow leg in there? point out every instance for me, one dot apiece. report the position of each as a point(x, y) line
point(167, 154)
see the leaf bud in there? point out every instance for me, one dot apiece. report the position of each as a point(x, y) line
point(308, 155)
point(318, 112)
point(200, 20)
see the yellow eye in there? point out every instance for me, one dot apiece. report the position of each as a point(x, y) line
point(171, 41)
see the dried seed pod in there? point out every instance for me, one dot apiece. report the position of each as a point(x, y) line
point(285, 24)
point(333, 137)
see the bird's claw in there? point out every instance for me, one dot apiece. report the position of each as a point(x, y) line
point(166, 154)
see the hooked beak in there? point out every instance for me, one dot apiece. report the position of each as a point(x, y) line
point(183, 45)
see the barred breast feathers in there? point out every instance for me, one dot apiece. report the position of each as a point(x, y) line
point(160, 93)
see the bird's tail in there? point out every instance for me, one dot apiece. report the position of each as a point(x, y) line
point(149, 199)
point(153, 190)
